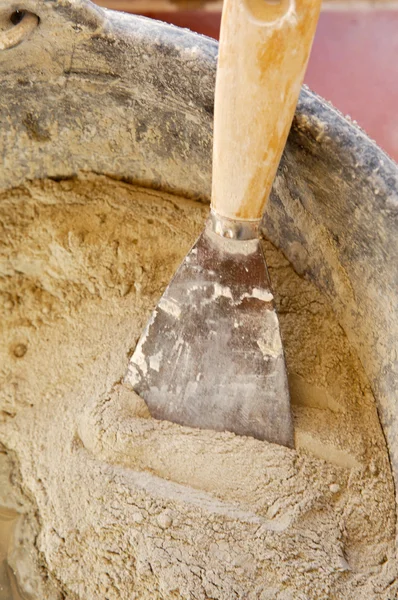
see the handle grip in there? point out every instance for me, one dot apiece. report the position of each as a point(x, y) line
point(263, 54)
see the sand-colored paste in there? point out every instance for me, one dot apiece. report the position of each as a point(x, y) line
point(119, 506)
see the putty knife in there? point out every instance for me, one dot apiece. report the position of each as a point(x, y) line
point(211, 355)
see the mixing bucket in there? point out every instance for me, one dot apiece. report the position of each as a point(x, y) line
point(83, 89)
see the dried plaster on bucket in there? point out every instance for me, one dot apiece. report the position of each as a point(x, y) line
point(119, 506)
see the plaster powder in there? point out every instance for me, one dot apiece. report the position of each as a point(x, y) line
point(119, 506)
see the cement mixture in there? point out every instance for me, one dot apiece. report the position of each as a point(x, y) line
point(119, 506)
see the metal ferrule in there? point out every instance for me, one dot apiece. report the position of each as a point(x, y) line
point(234, 229)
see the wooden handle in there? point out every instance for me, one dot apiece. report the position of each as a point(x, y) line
point(263, 54)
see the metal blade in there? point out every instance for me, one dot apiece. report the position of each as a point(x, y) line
point(211, 355)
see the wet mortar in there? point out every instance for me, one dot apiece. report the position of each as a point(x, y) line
point(117, 505)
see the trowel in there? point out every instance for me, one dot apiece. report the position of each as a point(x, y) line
point(211, 355)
